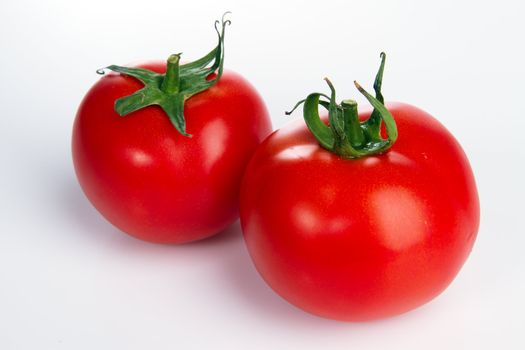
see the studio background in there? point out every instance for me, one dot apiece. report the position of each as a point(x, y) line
point(69, 280)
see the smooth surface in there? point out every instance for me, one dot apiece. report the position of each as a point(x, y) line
point(68, 279)
point(360, 239)
point(152, 182)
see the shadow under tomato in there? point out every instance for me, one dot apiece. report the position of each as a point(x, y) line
point(245, 282)
point(255, 294)
point(224, 254)
point(226, 251)
point(78, 209)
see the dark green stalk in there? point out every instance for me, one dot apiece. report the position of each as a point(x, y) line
point(171, 82)
point(170, 91)
point(346, 135)
point(353, 130)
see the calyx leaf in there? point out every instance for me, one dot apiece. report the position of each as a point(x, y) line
point(171, 90)
point(346, 135)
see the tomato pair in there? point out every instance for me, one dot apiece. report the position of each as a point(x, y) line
point(350, 216)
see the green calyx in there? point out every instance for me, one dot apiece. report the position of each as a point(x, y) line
point(181, 81)
point(346, 135)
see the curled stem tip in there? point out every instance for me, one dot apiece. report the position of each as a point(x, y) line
point(224, 16)
point(223, 22)
point(346, 135)
point(170, 91)
point(329, 82)
point(295, 107)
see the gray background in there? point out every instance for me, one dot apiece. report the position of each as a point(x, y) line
point(69, 280)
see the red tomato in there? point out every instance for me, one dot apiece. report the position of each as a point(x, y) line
point(359, 239)
point(154, 183)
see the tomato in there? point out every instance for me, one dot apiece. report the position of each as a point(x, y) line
point(366, 238)
point(151, 181)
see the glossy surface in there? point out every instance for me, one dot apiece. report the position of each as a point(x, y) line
point(152, 182)
point(366, 238)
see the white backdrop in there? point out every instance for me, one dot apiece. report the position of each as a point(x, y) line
point(69, 280)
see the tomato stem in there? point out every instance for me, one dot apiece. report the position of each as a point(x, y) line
point(351, 122)
point(171, 82)
point(171, 90)
point(345, 134)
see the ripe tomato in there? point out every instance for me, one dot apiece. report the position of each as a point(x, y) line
point(366, 238)
point(154, 183)
point(151, 181)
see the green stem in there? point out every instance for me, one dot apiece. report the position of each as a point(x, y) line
point(353, 130)
point(170, 91)
point(171, 82)
point(346, 135)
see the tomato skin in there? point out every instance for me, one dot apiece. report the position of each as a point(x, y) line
point(366, 238)
point(152, 182)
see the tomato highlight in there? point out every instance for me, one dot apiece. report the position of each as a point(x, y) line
point(134, 157)
point(350, 225)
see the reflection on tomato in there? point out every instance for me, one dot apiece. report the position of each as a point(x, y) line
point(360, 239)
point(154, 183)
